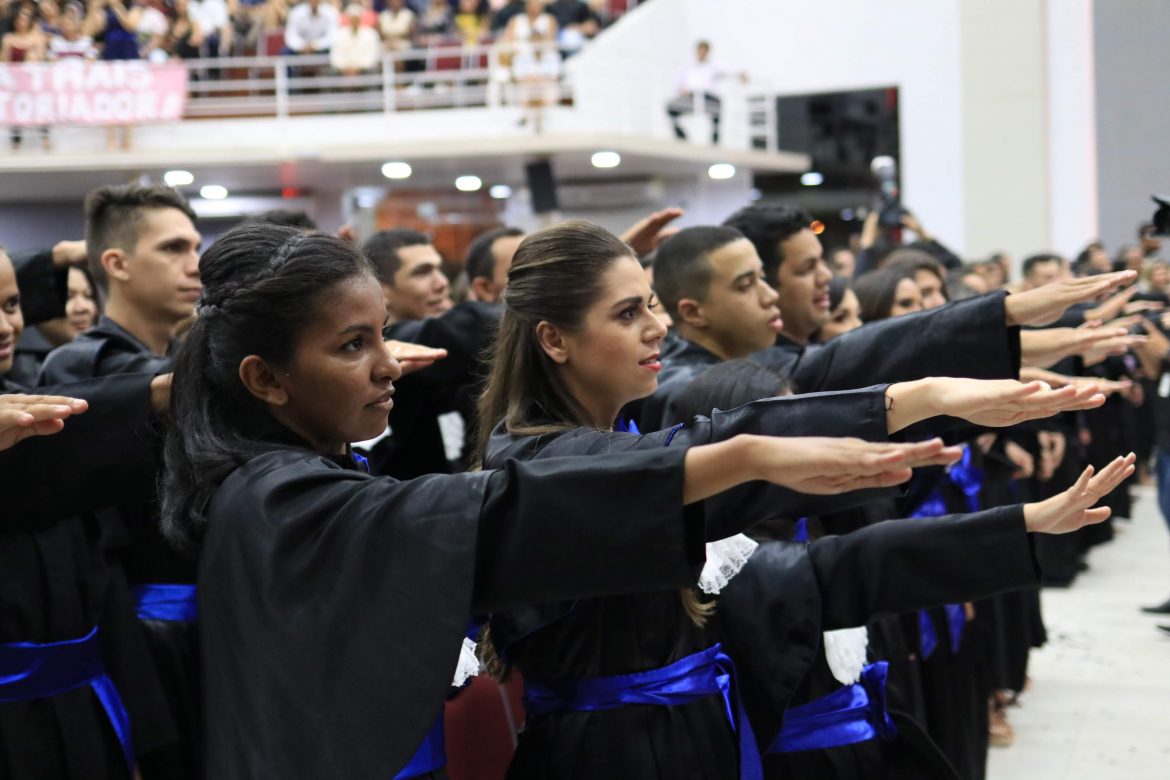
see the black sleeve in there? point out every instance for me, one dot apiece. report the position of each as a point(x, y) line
point(902, 565)
point(963, 339)
point(858, 413)
point(567, 528)
point(44, 288)
point(102, 457)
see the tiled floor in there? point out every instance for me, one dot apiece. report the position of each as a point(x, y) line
point(1099, 706)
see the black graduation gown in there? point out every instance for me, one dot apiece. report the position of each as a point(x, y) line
point(621, 634)
point(966, 338)
point(772, 622)
point(56, 583)
point(147, 558)
point(333, 604)
point(44, 288)
point(415, 446)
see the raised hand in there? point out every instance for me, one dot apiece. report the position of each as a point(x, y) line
point(1002, 402)
point(1044, 348)
point(1045, 305)
point(414, 357)
point(827, 466)
point(646, 234)
point(1073, 509)
point(22, 416)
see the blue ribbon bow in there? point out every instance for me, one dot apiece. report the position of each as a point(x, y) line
point(30, 670)
point(706, 673)
point(855, 713)
point(969, 480)
point(171, 602)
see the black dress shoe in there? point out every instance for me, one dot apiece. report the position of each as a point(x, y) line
point(1164, 629)
point(1161, 609)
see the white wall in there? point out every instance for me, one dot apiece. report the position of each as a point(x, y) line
point(796, 47)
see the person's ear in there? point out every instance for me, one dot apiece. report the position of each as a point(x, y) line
point(552, 341)
point(113, 262)
point(690, 312)
point(262, 381)
point(483, 289)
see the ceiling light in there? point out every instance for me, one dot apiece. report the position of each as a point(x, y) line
point(500, 191)
point(213, 192)
point(812, 179)
point(468, 184)
point(396, 170)
point(606, 160)
point(178, 178)
point(721, 171)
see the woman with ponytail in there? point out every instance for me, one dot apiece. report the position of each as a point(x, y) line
point(333, 605)
point(638, 685)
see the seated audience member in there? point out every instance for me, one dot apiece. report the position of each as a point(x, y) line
point(396, 24)
point(355, 48)
point(186, 35)
point(471, 21)
point(310, 28)
point(215, 25)
point(411, 273)
point(697, 84)
point(576, 21)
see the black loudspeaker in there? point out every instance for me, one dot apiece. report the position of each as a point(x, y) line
point(543, 186)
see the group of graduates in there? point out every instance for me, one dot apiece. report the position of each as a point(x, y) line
point(269, 512)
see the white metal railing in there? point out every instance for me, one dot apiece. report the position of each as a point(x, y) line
point(440, 76)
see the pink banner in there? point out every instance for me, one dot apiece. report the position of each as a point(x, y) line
point(76, 92)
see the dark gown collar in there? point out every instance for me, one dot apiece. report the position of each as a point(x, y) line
point(8, 386)
point(108, 328)
point(275, 433)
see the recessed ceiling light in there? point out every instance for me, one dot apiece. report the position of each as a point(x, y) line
point(812, 179)
point(397, 170)
point(213, 192)
point(468, 183)
point(500, 191)
point(606, 160)
point(721, 171)
point(178, 178)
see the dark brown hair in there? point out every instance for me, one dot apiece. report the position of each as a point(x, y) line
point(113, 216)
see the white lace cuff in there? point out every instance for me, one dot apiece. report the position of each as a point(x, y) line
point(725, 558)
point(845, 650)
point(468, 665)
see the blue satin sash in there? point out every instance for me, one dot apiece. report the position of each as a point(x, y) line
point(706, 673)
point(855, 713)
point(969, 480)
point(171, 602)
point(431, 755)
point(626, 426)
point(29, 670)
point(800, 531)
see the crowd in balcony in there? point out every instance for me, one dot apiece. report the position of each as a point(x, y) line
point(354, 34)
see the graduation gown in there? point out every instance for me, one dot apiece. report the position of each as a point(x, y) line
point(56, 583)
point(333, 603)
point(620, 634)
point(966, 338)
point(44, 288)
point(624, 634)
point(133, 526)
point(772, 615)
point(452, 384)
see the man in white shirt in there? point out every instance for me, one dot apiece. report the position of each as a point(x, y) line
point(696, 83)
point(310, 28)
point(355, 48)
point(214, 23)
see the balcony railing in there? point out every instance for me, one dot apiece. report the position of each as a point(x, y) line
point(441, 76)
